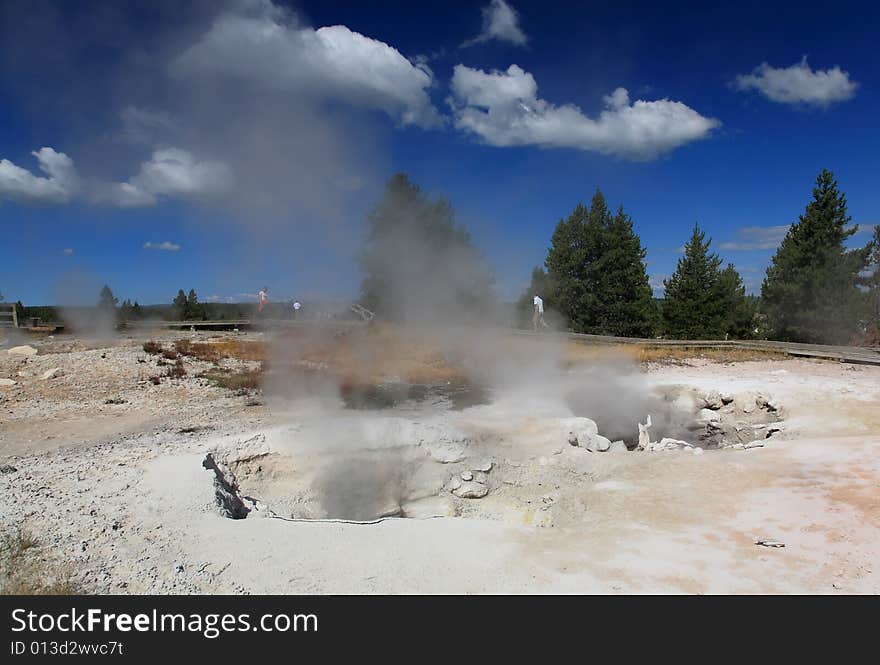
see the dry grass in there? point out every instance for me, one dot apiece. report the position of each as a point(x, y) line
point(24, 572)
point(375, 355)
point(152, 347)
point(221, 349)
point(580, 352)
point(176, 371)
point(242, 380)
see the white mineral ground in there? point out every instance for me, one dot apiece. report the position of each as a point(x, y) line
point(118, 492)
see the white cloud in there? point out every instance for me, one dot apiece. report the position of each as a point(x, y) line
point(756, 237)
point(170, 172)
point(799, 84)
point(20, 185)
point(501, 22)
point(271, 48)
point(67, 251)
point(175, 172)
point(162, 246)
point(502, 108)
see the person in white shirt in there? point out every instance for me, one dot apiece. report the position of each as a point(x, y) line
point(263, 298)
point(296, 307)
point(538, 316)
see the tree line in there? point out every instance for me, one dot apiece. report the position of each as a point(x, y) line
point(816, 289)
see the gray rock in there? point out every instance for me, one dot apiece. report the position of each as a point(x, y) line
point(727, 398)
point(51, 373)
point(6, 383)
point(618, 447)
point(467, 476)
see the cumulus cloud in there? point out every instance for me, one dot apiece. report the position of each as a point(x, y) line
point(501, 22)
point(174, 172)
point(503, 109)
point(59, 185)
point(267, 46)
point(162, 246)
point(799, 84)
point(756, 237)
point(170, 172)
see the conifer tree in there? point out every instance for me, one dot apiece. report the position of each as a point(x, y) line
point(811, 291)
point(691, 308)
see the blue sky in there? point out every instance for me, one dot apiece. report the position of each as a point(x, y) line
point(227, 146)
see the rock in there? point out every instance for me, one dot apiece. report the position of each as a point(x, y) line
point(51, 373)
point(667, 443)
point(446, 453)
point(471, 490)
point(598, 444)
point(644, 435)
point(7, 468)
point(754, 444)
point(761, 401)
point(618, 447)
point(25, 350)
point(6, 383)
point(706, 416)
point(467, 476)
point(696, 450)
point(712, 400)
point(579, 430)
point(727, 398)
point(773, 405)
point(481, 477)
point(486, 465)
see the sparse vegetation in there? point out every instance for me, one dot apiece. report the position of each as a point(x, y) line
point(221, 349)
point(152, 347)
point(241, 380)
point(24, 572)
point(176, 371)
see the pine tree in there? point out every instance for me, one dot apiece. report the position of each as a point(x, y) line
point(873, 282)
point(596, 265)
point(418, 262)
point(194, 310)
point(180, 305)
point(626, 302)
point(737, 309)
point(107, 300)
point(811, 290)
point(691, 308)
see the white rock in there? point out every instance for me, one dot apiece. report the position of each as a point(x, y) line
point(6, 383)
point(486, 465)
point(644, 435)
point(667, 443)
point(579, 430)
point(712, 400)
point(51, 373)
point(697, 450)
point(754, 444)
point(598, 444)
point(471, 490)
point(25, 350)
point(467, 476)
point(446, 453)
point(617, 447)
point(706, 416)
point(727, 398)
